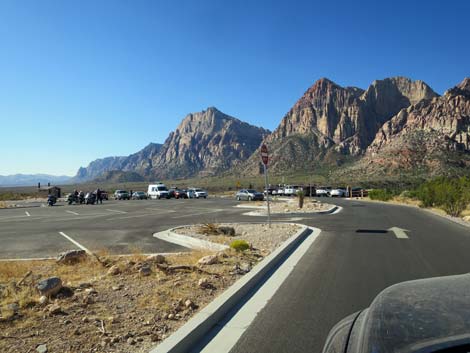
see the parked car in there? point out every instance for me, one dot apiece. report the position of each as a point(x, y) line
point(158, 191)
point(338, 192)
point(196, 193)
point(249, 195)
point(181, 194)
point(291, 190)
point(139, 195)
point(270, 191)
point(280, 191)
point(323, 191)
point(121, 195)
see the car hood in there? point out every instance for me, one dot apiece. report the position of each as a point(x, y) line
point(416, 315)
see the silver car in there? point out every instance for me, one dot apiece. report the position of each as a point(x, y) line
point(249, 195)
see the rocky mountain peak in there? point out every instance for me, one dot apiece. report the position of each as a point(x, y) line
point(462, 89)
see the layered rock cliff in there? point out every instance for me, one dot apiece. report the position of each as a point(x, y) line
point(338, 123)
point(431, 137)
point(206, 143)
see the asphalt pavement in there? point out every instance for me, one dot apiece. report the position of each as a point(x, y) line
point(354, 258)
point(116, 227)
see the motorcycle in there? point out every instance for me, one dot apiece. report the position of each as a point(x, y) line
point(72, 199)
point(81, 198)
point(51, 200)
point(90, 198)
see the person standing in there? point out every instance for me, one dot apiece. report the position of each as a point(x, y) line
point(99, 196)
point(130, 195)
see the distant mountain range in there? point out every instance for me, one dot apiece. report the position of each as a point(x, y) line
point(32, 179)
point(396, 126)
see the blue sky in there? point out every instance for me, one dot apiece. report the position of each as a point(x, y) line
point(80, 80)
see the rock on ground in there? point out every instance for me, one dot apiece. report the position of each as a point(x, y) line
point(50, 286)
point(71, 256)
point(208, 260)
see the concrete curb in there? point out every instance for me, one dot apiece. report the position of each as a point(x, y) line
point(258, 214)
point(187, 241)
point(195, 329)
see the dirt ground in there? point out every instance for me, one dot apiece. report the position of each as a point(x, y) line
point(289, 206)
point(99, 312)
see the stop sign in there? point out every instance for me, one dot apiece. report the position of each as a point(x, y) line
point(264, 154)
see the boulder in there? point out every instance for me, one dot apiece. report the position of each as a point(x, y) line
point(208, 260)
point(159, 259)
point(55, 309)
point(145, 271)
point(71, 256)
point(42, 348)
point(50, 286)
point(204, 283)
point(229, 231)
point(114, 270)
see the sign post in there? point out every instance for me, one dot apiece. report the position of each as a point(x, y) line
point(265, 159)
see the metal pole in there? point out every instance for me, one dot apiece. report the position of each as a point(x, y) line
point(267, 193)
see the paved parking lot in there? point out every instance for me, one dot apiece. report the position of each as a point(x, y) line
point(118, 227)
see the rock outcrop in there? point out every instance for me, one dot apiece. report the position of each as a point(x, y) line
point(331, 124)
point(206, 143)
point(140, 163)
point(431, 137)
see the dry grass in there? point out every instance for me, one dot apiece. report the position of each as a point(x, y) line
point(208, 229)
point(3, 204)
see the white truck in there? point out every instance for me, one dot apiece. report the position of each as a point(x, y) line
point(157, 191)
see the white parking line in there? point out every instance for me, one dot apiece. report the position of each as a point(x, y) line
point(117, 211)
point(196, 214)
point(76, 243)
point(27, 214)
point(75, 213)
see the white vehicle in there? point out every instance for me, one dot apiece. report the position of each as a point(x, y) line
point(323, 191)
point(338, 192)
point(157, 191)
point(291, 190)
point(197, 193)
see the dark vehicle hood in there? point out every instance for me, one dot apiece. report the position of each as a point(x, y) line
point(416, 316)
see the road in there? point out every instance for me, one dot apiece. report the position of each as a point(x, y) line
point(352, 260)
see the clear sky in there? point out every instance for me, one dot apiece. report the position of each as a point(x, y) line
point(80, 80)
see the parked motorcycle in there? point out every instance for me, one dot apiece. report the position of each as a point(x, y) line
point(72, 199)
point(90, 198)
point(81, 198)
point(51, 200)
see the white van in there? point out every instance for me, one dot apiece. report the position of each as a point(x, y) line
point(157, 191)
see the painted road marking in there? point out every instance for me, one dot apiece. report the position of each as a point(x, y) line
point(399, 232)
point(196, 214)
point(117, 211)
point(27, 214)
point(128, 217)
point(75, 213)
point(75, 242)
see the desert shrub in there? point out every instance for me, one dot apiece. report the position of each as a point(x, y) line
point(239, 245)
point(208, 229)
point(381, 194)
point(450, 194)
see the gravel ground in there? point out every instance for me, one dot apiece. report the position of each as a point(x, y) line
point(259, 235)
point(102, 312)
point(290, 206)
